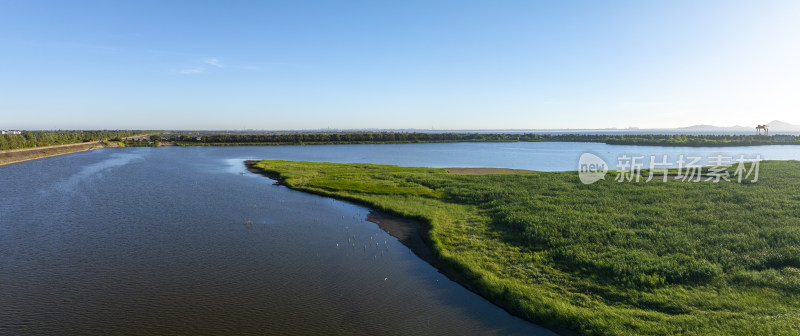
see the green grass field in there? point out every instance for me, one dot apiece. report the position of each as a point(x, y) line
point(610, 258)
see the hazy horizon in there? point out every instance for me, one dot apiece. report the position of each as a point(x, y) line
point(688, 128)
point(444, 65)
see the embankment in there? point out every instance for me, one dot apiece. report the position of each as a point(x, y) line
point(26, 154)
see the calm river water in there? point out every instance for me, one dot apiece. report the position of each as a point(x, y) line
point(177, 241)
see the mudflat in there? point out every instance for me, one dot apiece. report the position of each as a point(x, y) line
point(486, 171)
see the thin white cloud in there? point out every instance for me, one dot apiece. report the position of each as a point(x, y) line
point(213, 61)
point(192, 71)
point(210, 62)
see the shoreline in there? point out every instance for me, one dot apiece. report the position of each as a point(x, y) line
point(28, 154)
point(692, 145)
point(487, 171)
point(413, 234)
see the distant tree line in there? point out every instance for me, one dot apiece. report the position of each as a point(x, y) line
point(403, 137)
point(352, 137)
point(702, 140)
point(48, 138)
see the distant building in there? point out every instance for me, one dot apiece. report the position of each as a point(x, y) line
point(783, 138)
point(10, 132)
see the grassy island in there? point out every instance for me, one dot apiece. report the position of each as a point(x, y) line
point(608, 258)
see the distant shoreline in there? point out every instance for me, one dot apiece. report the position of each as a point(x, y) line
point(27, 154)
point(317, 139)
point(668, 140)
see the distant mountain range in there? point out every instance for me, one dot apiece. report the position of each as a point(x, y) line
point(774, 126)
point(736, 128)
point(777, 125)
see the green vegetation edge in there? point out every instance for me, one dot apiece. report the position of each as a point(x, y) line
point(603, 259)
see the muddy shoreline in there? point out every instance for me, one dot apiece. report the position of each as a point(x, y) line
point(414, 234)
point(28, 154)
point(487, 171)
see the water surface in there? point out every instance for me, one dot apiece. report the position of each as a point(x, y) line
point(176, 240)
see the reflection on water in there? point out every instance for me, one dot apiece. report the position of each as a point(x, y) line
point(175, 240)
point(96, 170)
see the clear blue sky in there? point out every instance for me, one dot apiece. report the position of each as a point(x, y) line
point(397, 64)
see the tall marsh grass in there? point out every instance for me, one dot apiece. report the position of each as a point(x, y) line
point(602, 259)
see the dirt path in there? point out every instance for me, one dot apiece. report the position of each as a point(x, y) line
point(484, 171)
point(27, 154)
point(49, 147)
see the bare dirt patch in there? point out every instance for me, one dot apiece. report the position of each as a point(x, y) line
point(485, 171)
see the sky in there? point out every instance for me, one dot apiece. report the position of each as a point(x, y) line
point(397, 64)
